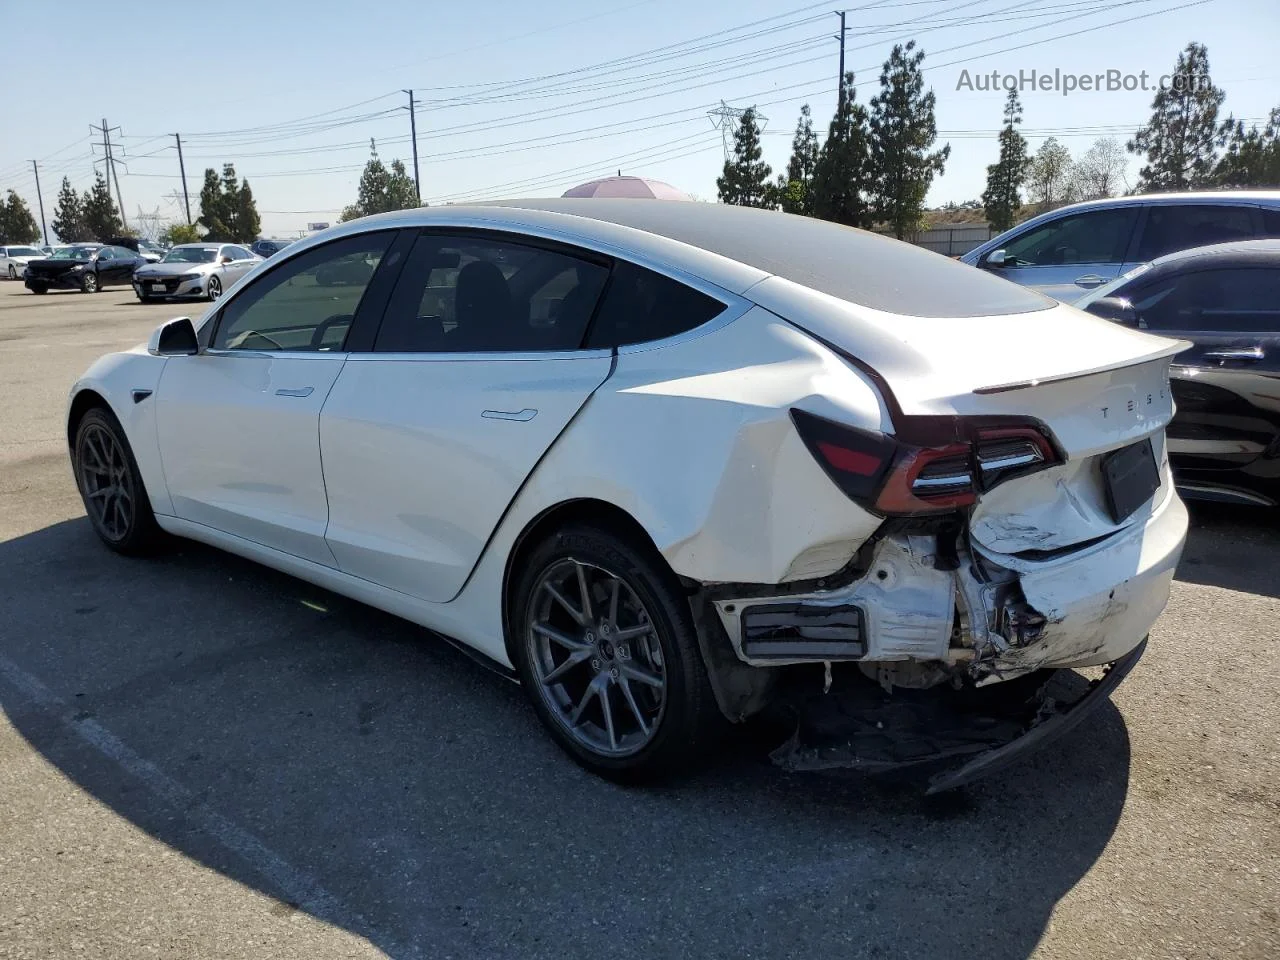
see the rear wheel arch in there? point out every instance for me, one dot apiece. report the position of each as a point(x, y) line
point(583, 511)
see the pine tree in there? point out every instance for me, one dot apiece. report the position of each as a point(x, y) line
point(17, 225)
point(382, 190)
point(101, 218)
point(745, 181)
point(248, 223)
point(795, 188)
point(213, 209)
point(229, 201)
point(902, 129)
point(842, 173)
point(1005, 177)
point(68, 216)
point(1049, 176)
point(1252, 157)
point(1180, 139)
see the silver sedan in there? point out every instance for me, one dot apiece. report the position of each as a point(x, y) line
point(202, 270)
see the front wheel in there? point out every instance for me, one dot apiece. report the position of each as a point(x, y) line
point(39, 289)
point(111, 486)
point(13, 272)
point(215, 288)
point(606, 648)
point(89, 283)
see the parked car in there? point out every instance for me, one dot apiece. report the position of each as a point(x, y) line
point(1078, 248)
point(14, 260)
point(194, 270)
point(148, 251)
point(665, 462)
point(88, 267)
point(269, 248)
point(1224, 442)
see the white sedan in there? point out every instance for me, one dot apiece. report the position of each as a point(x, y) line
point(14, 259)
point(665, 462)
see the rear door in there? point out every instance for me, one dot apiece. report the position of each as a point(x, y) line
point(1068, 256)
point(474, 373)
point(1226, 435)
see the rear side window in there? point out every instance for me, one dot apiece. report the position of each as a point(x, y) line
point(1096, 236)
point(641, 305)
point(1171, 228)
point(1270, 222)
point(482, 294)
point(1237, 300)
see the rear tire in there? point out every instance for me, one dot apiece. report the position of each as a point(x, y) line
point(111, 486)
point(619, 683)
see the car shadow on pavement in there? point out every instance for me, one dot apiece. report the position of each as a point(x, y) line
point(296, 741)
point(1234, 547)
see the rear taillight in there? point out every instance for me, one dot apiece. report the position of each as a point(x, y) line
point(932, 465)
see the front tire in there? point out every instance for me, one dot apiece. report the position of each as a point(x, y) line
point(39, 289)
point(13, 272)
point(111, 485)
point(89, 283)
point(214, 288)
point(605, 645)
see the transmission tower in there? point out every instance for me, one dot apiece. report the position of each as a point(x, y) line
point(726, 119)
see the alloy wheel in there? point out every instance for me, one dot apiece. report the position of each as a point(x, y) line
point(596, 658)
point(215, 288)
point(13, 272)
point(90, 283)
point(106, 481)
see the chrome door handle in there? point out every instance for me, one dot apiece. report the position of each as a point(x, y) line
point(1244, 354)
point(528, 413)
point(1090, 280)
point(300, 392)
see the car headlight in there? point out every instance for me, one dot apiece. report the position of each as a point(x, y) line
point(190, 276)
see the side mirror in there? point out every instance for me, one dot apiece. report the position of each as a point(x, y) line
point(1115, 309)
point(996, 258)
point(177, 338)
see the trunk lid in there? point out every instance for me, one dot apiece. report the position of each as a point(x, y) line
point(1097, 386)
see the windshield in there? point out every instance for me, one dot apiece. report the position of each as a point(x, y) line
point(190, 255)
point(24, 252)
point(74, 253)
point(1109, 289)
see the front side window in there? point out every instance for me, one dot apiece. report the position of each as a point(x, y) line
point(1096, 236)
point(1230, 300)
point(464, 295)
point(238, 253)
point(307, 303)
point(1171, 228)
point(642, 305)
point(106, 254)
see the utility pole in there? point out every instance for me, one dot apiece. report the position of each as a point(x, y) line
point(840, 37)
point(413, 132)
point(44, 230)
point(112, 176)
point(186, 200)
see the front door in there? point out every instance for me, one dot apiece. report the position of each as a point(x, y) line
point(1067, 257)
point(238, 423)
point(475, 372)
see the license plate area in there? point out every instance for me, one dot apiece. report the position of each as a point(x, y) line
point(157, 288)
point(1129, 477)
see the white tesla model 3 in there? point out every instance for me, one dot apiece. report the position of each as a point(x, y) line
point(656, 457)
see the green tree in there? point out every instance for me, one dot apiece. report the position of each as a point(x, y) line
point(1180, 139)
point(68, 215)
point(177, 233)
point(1049, 175)
point(795, 187)
point(902, 128)
point(1006, 176)
point(213, 209)
point(745, 181)
point(101, 218)
point(1251, 157)
point(17, 225)
point(248, 223)
point(382, 190)
point(842, 174)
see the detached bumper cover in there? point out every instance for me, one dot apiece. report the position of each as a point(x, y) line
point(909, 732)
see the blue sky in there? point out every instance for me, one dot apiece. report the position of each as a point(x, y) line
point(291, 91)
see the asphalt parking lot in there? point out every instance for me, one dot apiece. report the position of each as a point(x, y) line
point(200, 757)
